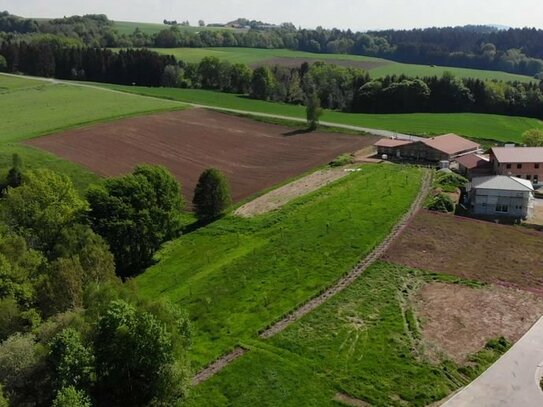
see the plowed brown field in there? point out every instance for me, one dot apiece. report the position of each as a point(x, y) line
point(253, 155)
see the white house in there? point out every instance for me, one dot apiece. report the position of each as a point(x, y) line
point(501, 195)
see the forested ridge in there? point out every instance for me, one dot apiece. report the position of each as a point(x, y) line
point(336, 87)
point(515, 50)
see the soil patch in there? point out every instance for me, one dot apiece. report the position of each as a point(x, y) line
point(281, 196)
point(459, 320)
point(253, 155)
point(472, 249)
point(297, 61)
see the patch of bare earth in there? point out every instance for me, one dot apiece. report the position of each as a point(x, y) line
point(350, 401)
point(458, 320)
point(253, 155)
point(472, 249)
point(295, 62)
point(281, 196)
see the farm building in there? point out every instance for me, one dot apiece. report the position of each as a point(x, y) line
point(435, 149)
point(501, 195)
point(521, 162)
point(473, 165)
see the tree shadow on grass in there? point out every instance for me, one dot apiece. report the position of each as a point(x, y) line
point(297, 132)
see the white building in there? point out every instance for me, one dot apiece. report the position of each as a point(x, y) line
point(501, 195)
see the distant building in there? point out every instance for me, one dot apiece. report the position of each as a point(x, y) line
point(473, 165)
point(502, 196)
point(435, 149)
point(521, 162)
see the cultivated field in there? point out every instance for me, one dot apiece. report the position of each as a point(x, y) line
point(377, 67)
point(30, 108)
point(237, 276)
point(506, 255)
point(253, 155)
point(364, 343)
point(479, 126)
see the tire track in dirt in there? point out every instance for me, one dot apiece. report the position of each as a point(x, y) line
point(341, 285)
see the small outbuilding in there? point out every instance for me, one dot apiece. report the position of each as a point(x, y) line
point(473, 165)
point(501, 195)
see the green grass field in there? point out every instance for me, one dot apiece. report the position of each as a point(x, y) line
point(237, 275)
point(359, 343)
point(128, 27)
point(31, 108)
point(486, 127)
point(254, 56)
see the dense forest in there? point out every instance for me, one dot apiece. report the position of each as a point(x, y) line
point(481, 47)
point(339, 88)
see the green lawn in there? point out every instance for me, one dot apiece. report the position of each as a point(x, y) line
point(252, 56)
point(31, 108)
point(474, 125)
point(236, 276)
point(359, 343)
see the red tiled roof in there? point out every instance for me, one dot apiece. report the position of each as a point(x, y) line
point(471, 161)
point(388, 142)
point(518, 154)
point(451, 144)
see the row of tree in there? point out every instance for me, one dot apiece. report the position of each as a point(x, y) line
point(337, 87)
point(480, 47)
point(71, 334)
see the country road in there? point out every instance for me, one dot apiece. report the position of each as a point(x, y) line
point(377, 132)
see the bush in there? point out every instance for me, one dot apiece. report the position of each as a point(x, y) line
point(441, 203)
point(449, 181)
point(71, 397)
point(344, 159)
point(211, 195)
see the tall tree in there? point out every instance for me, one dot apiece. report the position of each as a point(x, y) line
point(135, 214)
point(211, 195)
point(313, 111)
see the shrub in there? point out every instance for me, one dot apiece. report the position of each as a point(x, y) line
point(449, 181)
point(441, 203)
point(71, 397)
point(342, 160)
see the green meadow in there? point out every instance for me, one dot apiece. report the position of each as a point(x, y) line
point(31, 108)
point(360, 343)
point(237, 276)
point(128, 27)
point(486, 127)
point(377, 67)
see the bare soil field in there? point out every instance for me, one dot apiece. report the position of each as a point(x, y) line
point(296, 62)
point(484, 251)
point(281, 196)
point(458, 320)
point(253, 155)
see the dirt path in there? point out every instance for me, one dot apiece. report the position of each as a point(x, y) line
point(337, 288)
point(283, 195)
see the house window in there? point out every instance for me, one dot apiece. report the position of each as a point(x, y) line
point(536, 166)
point(519, 166)
point(508, 166)
point(529, 177)
point(502, 208)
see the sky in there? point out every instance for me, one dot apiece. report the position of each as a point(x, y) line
point(355, 14)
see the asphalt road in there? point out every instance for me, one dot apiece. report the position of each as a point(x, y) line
point(513, 381)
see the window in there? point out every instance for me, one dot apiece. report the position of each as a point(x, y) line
point(529, 177)
point(519, 166)
point(536, 166)
point(502, 208)
point(508, 166)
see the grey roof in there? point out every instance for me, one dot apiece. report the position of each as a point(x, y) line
point(502, 182)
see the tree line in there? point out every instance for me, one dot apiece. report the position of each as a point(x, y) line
point(480, 47)
point(339, 88)
point(71, 333)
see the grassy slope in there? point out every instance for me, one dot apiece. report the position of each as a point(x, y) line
point(481, 126)
point(31, 108)
point(236, 276)
point(257, 55)
point(358, 343)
